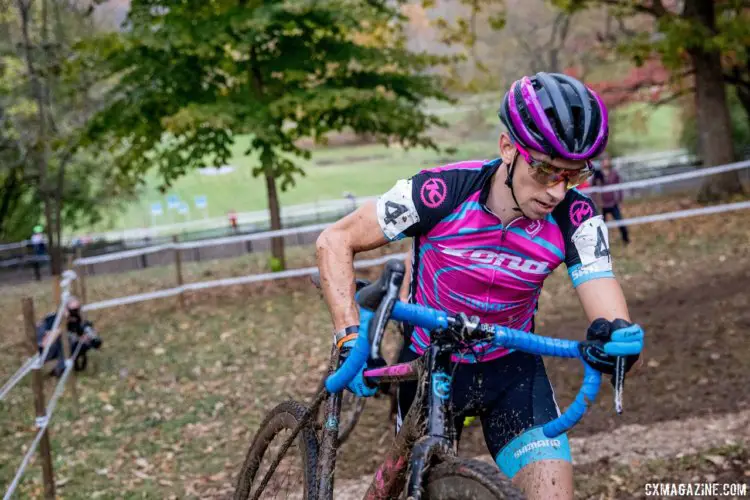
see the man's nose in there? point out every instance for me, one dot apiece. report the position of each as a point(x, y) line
point(557, 191)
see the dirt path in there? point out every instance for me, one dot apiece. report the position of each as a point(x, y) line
point(630, 445)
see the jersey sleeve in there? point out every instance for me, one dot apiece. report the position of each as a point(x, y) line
point(587, 255)
point(414, 206)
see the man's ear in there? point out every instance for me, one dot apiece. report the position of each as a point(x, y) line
point(507, 149)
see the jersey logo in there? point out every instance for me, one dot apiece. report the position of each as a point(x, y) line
point(579, 212)
point(534, 228)
point(499, 259)
point(433, 192)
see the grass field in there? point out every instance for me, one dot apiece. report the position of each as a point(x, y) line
point(368, 170)
point(170, 402)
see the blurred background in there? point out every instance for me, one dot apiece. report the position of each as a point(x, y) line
point(151, 145)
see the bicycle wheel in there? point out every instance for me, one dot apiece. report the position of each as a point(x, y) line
point(299, 462)
point(351, 409)
point(462, 478)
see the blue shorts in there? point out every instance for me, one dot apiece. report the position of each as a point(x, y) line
point(513, 398)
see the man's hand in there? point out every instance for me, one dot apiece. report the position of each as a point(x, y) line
point(358, 386)
point(606, 341)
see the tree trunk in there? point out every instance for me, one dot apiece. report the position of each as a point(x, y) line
point(277, 244)
point(712, 110)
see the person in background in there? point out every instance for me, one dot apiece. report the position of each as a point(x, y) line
point(79, 331)
point(610, 201)
point(37, 241)
point(233, 221)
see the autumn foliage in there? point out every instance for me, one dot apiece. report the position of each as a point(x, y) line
point(651, 82)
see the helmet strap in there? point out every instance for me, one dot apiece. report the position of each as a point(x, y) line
point(509, 182)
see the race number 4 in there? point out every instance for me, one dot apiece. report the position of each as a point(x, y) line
point(396, 210)
point(393, 211)
point(601, 249)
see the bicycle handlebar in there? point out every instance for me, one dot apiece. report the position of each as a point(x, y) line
point(430, 319)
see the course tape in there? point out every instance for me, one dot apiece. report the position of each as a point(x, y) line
point(240, 280)
point(36, 362)
point(665, 179)
point(43, 422)
point(293, 273)
point(319, 227)
point(681, 214)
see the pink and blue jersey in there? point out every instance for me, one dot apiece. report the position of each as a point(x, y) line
point(466, 261)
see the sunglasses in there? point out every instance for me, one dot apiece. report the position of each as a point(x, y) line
point(549, 175)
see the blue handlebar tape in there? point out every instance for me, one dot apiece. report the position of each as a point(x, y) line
point(357, 358)
point(417, 315)
point(535, 344)
point(586, 395)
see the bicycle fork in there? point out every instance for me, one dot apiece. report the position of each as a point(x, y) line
point(441, 433)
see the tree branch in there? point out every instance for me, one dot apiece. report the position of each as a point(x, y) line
point(674, 96)
point(656, 9)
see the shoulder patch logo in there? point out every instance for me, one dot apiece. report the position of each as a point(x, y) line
point(433, 192)
point(579, 212)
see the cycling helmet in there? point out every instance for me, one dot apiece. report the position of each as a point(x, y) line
point(557, 115)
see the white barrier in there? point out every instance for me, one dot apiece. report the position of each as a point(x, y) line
point(240, 280)
point(318, 227)
point(681, 214)
point(15, 246)
point(200, 244)
point(36, 363)
point(665, 179)
point(293, 273)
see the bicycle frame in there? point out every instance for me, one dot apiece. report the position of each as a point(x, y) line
point(414, 445)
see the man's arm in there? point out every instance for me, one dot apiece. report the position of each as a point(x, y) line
point(603, 298)
point(336, 247)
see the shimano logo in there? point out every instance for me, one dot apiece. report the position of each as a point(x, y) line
point(499, 259)
point(542, 443)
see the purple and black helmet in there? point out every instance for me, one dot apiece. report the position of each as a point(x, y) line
point(556, 114)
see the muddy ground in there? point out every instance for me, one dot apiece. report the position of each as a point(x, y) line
point(169, 405)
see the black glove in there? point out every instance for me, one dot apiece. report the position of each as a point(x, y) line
point(598, 334)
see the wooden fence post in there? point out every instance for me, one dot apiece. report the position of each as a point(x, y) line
point(178, 267)
point(39, 401)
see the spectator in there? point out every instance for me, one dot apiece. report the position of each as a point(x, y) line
point(37, 241)
point(78, 330)
point(233, 220)
point(610, 201)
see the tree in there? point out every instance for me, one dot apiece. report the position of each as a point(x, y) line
point(46, 97)
point(192, 76)
point(692, 34)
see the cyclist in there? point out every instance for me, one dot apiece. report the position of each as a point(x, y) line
point(486, 234)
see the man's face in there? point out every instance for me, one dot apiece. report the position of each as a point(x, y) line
point(536, 199)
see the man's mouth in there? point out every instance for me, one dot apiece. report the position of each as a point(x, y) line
point(545, 206)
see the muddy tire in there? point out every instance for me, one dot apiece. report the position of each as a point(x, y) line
point(462, 479)
point(295, 475)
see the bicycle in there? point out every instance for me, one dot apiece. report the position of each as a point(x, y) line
point(353, 406)
point(422, 461)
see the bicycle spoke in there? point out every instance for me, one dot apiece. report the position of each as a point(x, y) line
point(287, 444)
